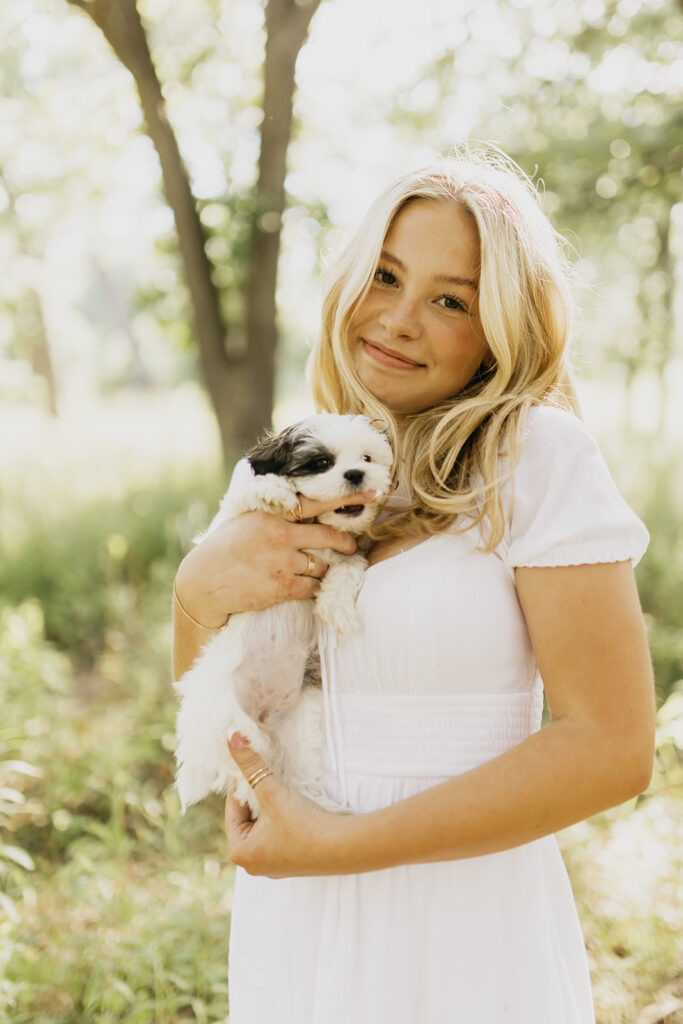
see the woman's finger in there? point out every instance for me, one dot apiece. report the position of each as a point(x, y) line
point(236, 815)
point(251, 764)
point(302, 588)
point(310, 508)
point(313, 565)
point(313, 536)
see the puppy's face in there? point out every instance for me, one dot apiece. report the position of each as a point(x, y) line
point(330, 456)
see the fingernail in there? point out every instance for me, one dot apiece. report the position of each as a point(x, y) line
point(237, 740)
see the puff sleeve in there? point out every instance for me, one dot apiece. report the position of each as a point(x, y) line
point(565, 507)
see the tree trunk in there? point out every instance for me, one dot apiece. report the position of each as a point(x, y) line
point(240, 387)
point(287, 26)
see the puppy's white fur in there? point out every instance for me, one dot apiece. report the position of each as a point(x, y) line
point(249, 678)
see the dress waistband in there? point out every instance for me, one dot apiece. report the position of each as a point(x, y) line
point(428, 735)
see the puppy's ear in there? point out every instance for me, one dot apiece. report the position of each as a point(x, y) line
point(273, 452)
point(380, 426)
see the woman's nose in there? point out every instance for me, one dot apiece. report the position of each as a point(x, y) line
point(400, 318)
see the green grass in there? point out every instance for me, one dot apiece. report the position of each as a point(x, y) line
point(120, 909)
point(146, 942)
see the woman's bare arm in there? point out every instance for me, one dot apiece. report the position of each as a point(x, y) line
point(588, 634)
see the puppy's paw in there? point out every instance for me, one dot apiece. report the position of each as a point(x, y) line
point(340, 615)
point(274, 493)
point(244, 794)
point(267, 493)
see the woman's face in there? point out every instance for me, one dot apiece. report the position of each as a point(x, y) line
point(416, 338)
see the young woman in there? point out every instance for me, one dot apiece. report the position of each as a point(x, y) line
point(507, 558)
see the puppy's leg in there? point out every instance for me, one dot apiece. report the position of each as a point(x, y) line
point(297, 747)
point(209, 712)
point(208, 716)
point(335, 604)
point(250, 672)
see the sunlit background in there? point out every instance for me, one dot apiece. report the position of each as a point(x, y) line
point(111, 460)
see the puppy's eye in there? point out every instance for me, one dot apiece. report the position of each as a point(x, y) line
point(367, 458)
point(320, 465)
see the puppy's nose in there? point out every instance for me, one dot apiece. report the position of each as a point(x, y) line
point(354, 476)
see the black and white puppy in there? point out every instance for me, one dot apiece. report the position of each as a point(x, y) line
point(249, 678)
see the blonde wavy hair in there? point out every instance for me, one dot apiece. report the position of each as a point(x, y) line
point(450, 453)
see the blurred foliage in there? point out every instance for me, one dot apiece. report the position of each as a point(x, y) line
point(74, 168)
point(228, 222)
point(586, 95)
point(588, 98)
point(112, 906)
point(124, 916)
point(91, 574)
point(660, 574)
point(626, 868)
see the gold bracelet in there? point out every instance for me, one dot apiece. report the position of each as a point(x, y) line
point(207, 629)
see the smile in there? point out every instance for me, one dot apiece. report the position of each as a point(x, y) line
point(388, 358)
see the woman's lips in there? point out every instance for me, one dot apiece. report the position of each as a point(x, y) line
point(387, 359)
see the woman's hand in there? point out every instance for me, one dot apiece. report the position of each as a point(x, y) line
point(292, 835)
point(257, 560)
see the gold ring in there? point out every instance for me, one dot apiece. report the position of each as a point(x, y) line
point(298, 512)
point(308, 571)
point(259, 775)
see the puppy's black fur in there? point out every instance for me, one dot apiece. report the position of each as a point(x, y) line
point(292, 452)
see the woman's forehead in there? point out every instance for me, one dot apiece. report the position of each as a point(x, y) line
point(440, 234)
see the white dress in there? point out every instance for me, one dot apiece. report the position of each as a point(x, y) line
point(440, 678)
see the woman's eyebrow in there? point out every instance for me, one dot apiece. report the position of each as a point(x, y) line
point(386, 255)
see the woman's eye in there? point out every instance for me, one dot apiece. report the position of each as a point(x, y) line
point(451, 302)
point(367, 458)
point(383, 276)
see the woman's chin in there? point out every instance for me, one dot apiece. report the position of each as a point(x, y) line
point(390, 397)
point(397, 405)
point(396, 396)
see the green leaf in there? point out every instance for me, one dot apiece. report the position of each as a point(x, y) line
point(12, 796)
point(9, 908)
point(19, 856)
point(22, 768)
